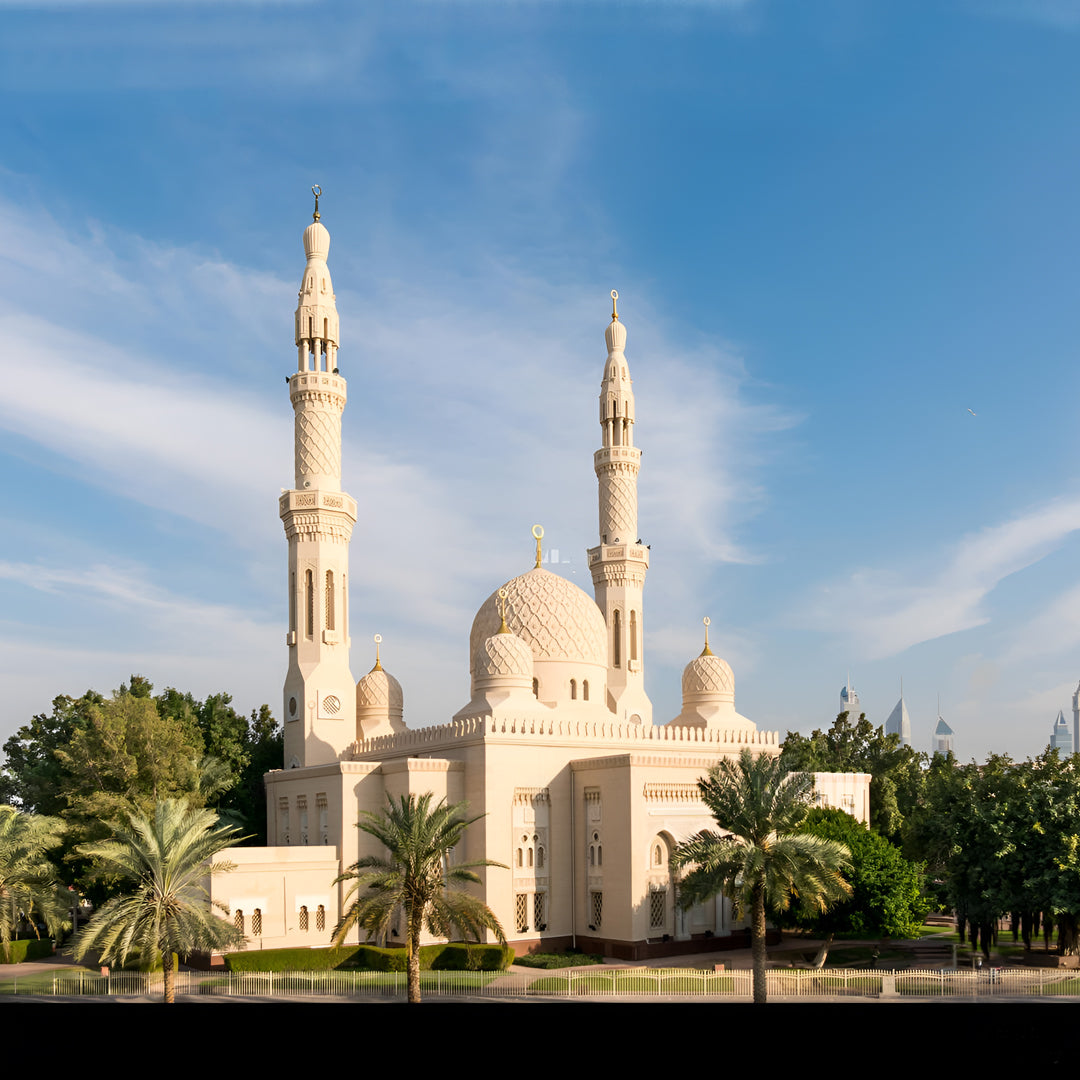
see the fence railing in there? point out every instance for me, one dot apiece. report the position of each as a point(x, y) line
point(592, 982)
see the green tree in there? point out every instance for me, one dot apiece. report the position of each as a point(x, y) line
point(761, 860)
point(32, 777)
point(857, 746)
point(887, 897)
point(29, 885)
point(164, 856)
point(417, 877)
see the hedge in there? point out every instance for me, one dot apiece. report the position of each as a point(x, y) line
point(455, 956)
point(27, 949)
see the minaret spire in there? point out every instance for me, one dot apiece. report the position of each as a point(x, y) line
point(320, 693)
point(620, 562)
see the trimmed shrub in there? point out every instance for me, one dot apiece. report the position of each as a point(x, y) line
point(456, 956)
point(27, 949)
point(294, 959)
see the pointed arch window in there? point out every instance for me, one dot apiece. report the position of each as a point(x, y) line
point(309, 602)
point(633, 635)
point(616, 638)
point(585, 690)
point(329, 599)
point(573, 689)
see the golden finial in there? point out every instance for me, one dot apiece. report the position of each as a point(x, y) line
point(707, 651)
point(316, 191)
point(503, 628)
point(538, 532)
point(378, 642)
point(614, 305)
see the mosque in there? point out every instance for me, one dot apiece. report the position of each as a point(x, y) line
point(583, 795)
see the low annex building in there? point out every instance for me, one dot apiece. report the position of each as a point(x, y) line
point(584, 795)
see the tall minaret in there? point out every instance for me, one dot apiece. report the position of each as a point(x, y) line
point(320, 693)
point(619, 564)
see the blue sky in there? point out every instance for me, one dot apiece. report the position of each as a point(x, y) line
point(838, 230)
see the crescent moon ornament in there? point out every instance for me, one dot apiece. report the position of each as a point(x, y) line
point(538, 532)
point(614, 305)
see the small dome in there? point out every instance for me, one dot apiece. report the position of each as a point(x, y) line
point(556, 619)
point(615, 336)
point(504, 655)
point(708, 675)
point(379, 689)
point(316, 241)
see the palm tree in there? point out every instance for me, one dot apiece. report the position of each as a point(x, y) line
point(759, 860)
point(166, 857)
point(28, 880)
point(417, 877)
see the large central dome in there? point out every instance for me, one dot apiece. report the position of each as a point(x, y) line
point(557, 619)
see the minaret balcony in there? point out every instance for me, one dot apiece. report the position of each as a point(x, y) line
point(317, 500)
point(621, 553)
point(610, 454)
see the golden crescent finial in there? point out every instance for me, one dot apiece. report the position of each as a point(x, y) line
point(614, 305)
point(707, 651)
point(378, 642)
point(503, 628)
point(538, 532)
point(316, 191)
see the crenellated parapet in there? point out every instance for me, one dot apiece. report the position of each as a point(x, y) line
point(584, 732)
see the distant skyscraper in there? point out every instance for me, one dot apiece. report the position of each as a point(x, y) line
point(899, 723)
point(1076, 719)
point(849, 701)
point(942, 742)
point(1062, 739)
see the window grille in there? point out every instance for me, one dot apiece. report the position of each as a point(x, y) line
point(256, 922)
point(521, 912)
point(303, 919)
point(539, 918)
point(597, 909)
point(657, 908)
point(320, 918)
point(238, 920)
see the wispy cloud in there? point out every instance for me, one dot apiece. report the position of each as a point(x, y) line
point(885, 613)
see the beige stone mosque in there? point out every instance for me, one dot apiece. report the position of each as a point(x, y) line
point(583, 793)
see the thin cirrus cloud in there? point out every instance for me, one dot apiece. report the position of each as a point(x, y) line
point(886, 614)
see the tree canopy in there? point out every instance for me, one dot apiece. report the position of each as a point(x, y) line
point(886, 898)
point(857, 746)
point(29, 883)
point(163, 855)
point(418, 877)
point(761, 860)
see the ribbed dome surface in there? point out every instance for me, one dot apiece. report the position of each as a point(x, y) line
point(316, 241)
point(379, 688)
point(504, 654)
point(550, 614)
point(708, 675)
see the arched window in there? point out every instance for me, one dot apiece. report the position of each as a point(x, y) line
point(320, 918)
point(520, 857)
point(530, 856)
point(238, 919)
point(303, 918)
point(599, 854)
point(616, 638)
point(633, 635)
point(585, 689)
point(329, 599)
point(536, 688)
point(256, 922)
point(573, 689)
point(309, 602)
point(658, 856)
point(292, 603)
point(539, 858)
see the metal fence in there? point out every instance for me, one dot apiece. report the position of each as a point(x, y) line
point(605, 982)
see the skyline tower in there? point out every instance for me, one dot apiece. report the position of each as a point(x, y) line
point(319, 692)
point(620, 561)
